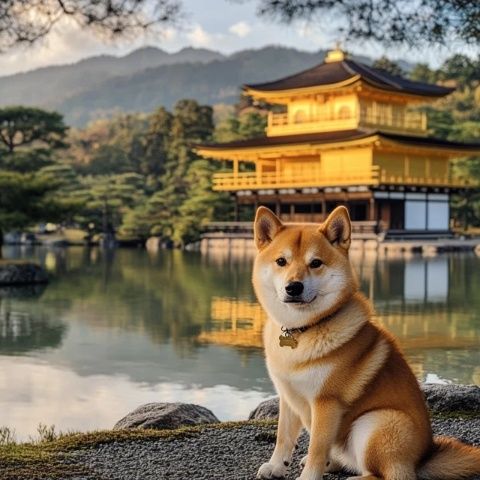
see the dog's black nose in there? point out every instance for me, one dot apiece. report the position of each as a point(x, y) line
point(294, 289)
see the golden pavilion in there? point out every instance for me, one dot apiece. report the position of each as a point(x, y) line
point(345, 133)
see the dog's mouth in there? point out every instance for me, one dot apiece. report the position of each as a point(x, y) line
point(298, 301)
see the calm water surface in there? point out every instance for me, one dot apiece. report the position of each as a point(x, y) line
point(117, 329)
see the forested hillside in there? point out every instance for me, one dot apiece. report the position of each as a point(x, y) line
point(104, 86)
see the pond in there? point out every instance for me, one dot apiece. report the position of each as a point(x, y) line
point(115, 329)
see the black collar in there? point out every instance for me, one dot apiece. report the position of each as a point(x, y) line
point(291, 331)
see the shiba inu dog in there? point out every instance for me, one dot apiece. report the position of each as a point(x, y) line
point(338, 374)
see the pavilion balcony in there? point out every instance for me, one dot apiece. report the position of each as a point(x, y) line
point(273, 180)
point(412, 122)
point(282, 124)
point(302, 179)
point(400, 121)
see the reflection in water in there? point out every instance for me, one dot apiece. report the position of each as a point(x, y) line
point(114, 330)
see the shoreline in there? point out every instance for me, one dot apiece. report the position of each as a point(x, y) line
point(226, 450)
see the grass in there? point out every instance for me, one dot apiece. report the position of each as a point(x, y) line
point(460, 414)
point(43, 457)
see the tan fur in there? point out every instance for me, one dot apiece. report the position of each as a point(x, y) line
point(347, 382)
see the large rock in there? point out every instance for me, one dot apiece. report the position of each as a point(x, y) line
point(21, 273)
point(266, 410)
point(452, 398)
point(166, 416)
point(440, 399)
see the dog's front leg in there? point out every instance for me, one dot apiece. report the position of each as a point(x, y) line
point(289, 426)
point(326, 416)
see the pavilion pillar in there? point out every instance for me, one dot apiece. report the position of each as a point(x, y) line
point(235, 211)
point(259, 168)
point(235, 170)
point(371, 209)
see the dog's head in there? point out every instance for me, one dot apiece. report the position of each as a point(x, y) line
point(302, 272)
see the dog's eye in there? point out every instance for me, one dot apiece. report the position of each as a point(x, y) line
point(281, 262)
point(315, 263)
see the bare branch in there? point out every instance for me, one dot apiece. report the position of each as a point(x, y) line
point(27, 21)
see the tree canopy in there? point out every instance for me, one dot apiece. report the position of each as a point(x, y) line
point(386, 21)
point(139, 174)
point(29, 141)
point(26, 126)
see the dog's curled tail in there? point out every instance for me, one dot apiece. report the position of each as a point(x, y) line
point(450, 460)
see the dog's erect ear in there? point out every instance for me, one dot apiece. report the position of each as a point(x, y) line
point(265, 227)
point(338, 228)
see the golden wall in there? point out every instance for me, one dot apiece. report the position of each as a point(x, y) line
point(345, 161)
point(405, 166)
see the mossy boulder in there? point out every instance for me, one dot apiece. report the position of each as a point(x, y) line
point(166, 415)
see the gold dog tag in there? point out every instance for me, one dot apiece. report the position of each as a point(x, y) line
point(288, 341)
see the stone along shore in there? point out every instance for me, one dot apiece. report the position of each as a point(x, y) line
point(187, 442)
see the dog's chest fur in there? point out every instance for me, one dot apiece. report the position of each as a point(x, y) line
point(291, 370)
point(301, 374)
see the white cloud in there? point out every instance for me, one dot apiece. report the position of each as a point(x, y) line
point(241, 29)
point(168, 34)
point(199, 37)
point(66, 43)
point(311, 33)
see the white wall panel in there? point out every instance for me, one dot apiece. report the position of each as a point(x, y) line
point(438, 216)
point(415, 215)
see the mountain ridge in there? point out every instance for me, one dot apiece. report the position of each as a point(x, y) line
point(148, 77)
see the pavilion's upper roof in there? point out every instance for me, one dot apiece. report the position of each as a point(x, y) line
point(340, 70)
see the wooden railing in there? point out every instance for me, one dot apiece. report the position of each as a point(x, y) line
point(386, 178)
point(408, 121)
point(374, 176)
point(281, 119)
point(412, 121)
point(272, 180)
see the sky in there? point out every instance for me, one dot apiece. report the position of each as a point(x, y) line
point(223, 25)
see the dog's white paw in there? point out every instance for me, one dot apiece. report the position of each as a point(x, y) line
point(271, 470)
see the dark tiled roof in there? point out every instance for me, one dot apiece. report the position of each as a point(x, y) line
point(341, 136)
point(430, 141)
point(336, 72)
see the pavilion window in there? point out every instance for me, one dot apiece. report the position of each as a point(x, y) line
point(344, 113)
point(271, 206)
point(303, 208)
point(285, 208)
point(358, 211)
